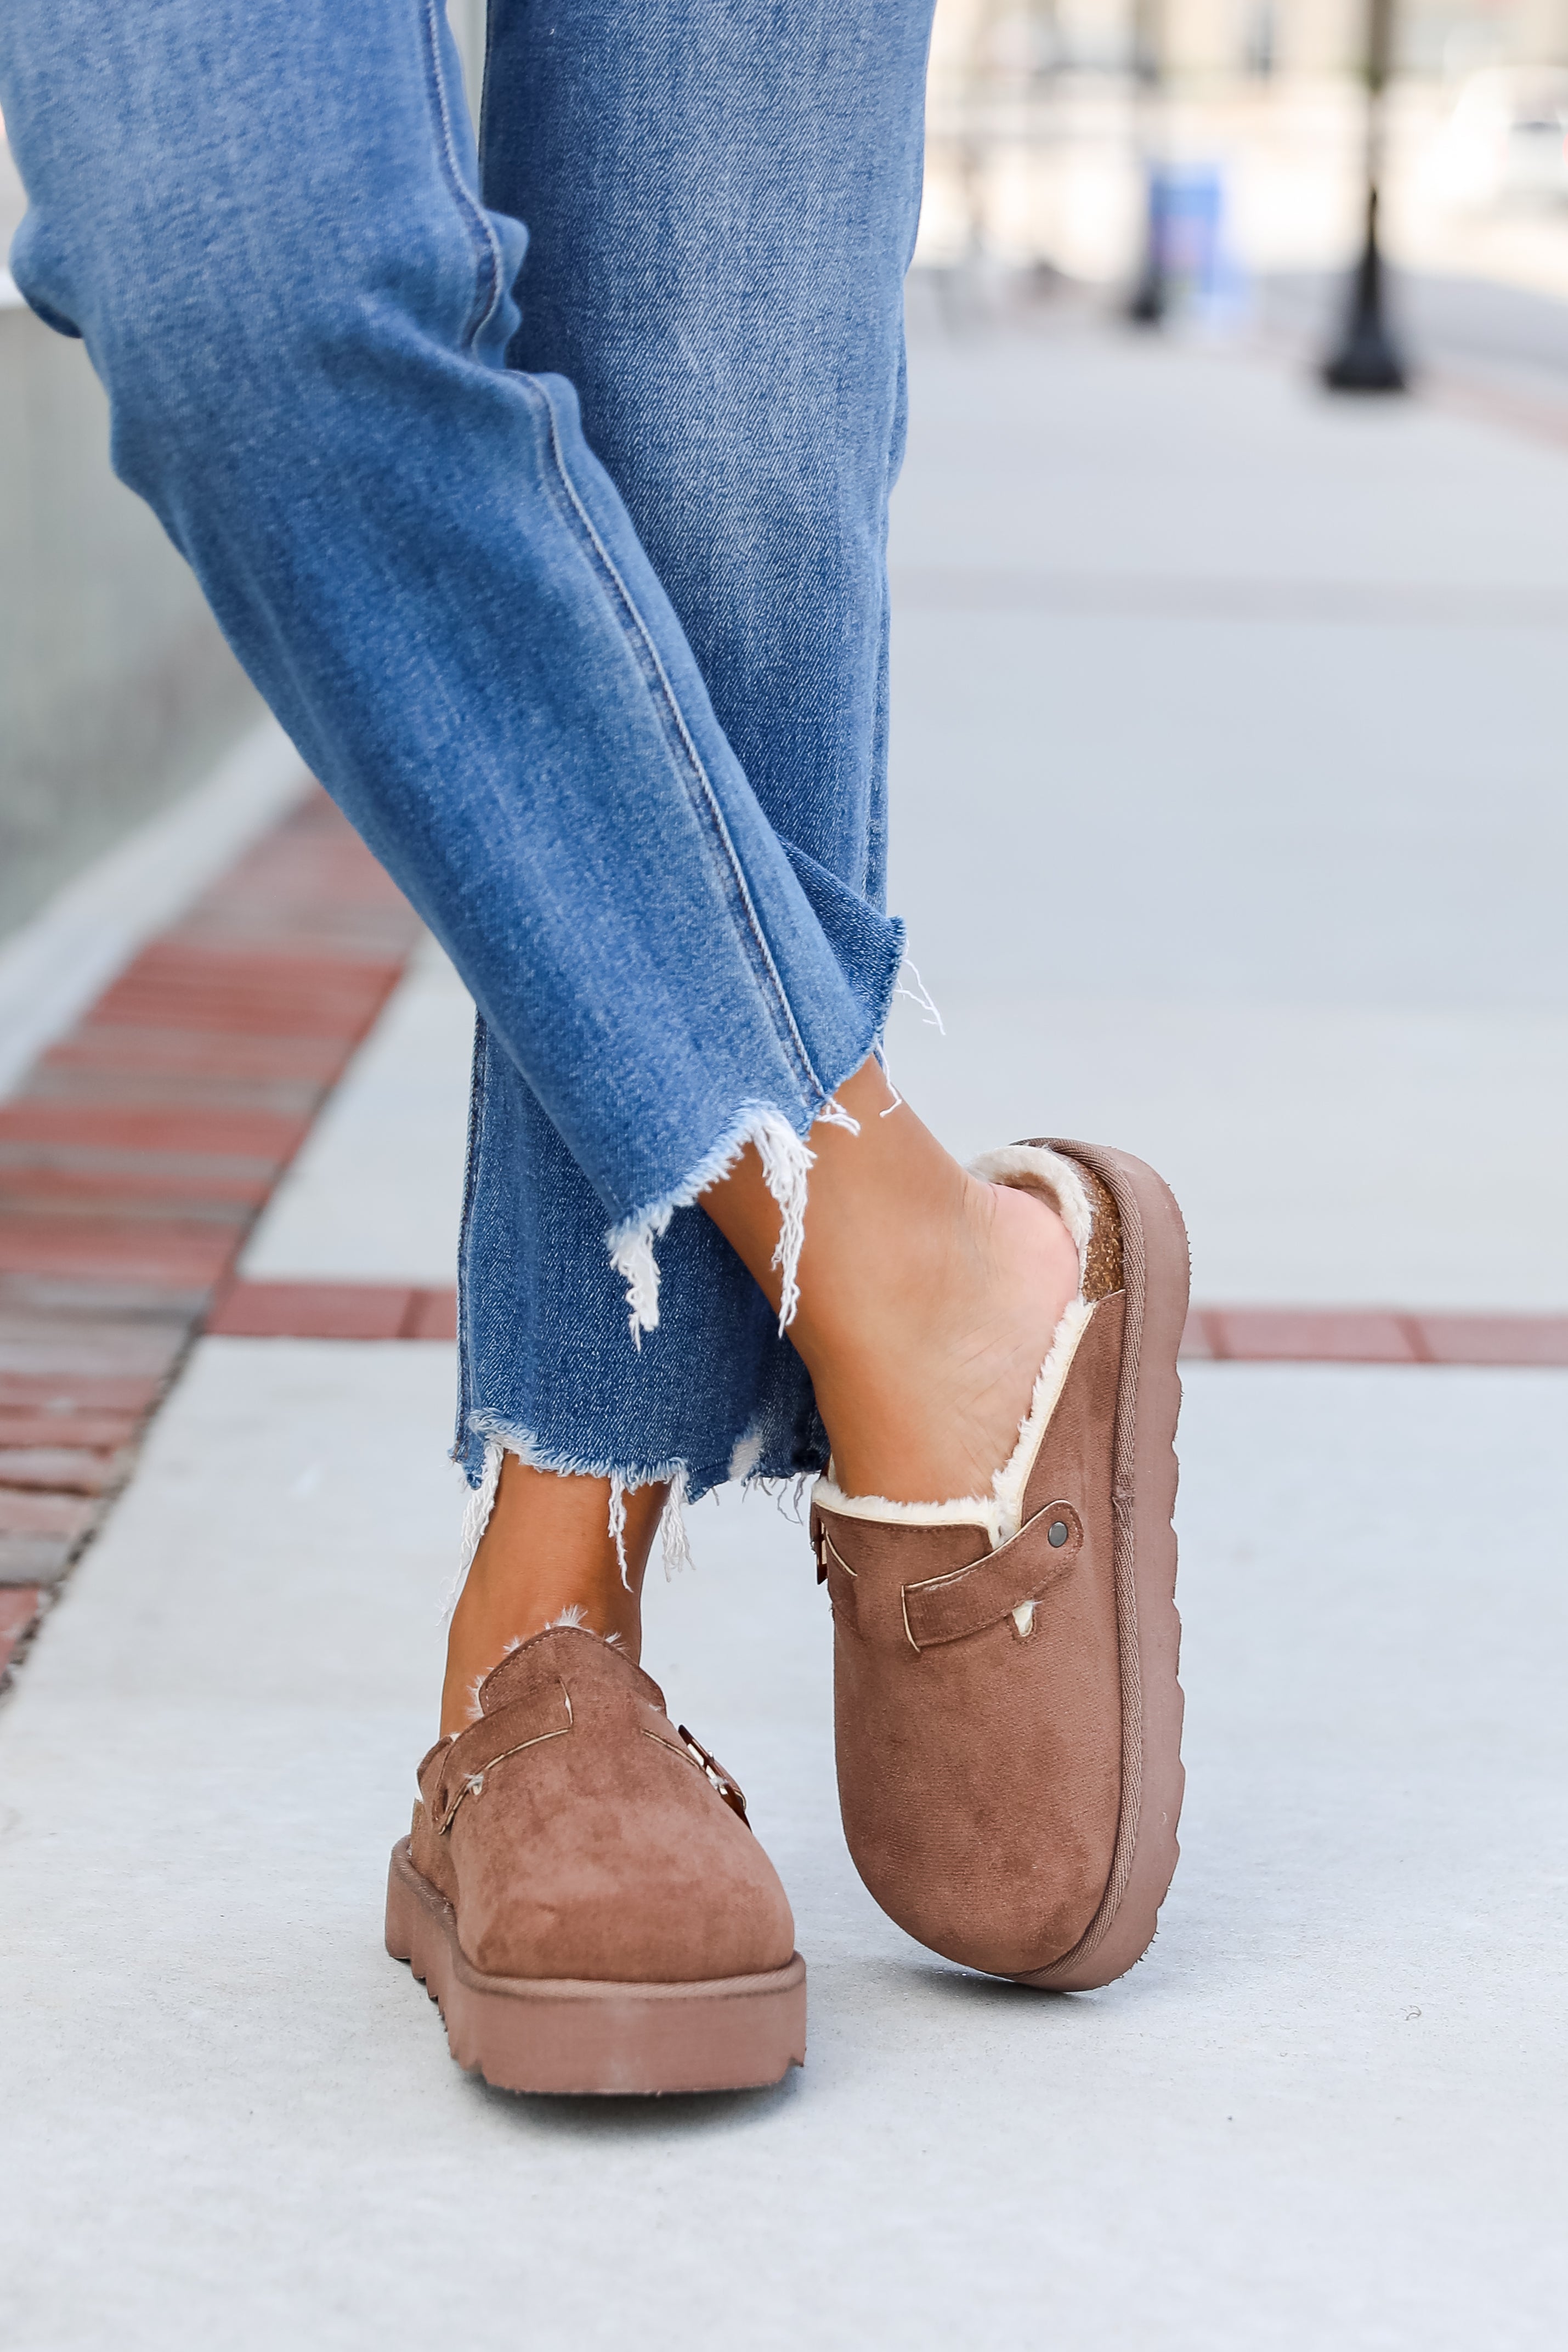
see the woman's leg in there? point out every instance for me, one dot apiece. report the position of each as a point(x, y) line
point(260, 216)
point(263, 220)
point(742, 385)
point(721, 206)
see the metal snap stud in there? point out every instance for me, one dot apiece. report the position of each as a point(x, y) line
point(1057, 1533)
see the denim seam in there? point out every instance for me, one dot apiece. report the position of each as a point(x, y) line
point(485, 90)
point(501, 1437)
point(529, 1448)
point(488, 248)
point(884, 619)
point(637, 628)
point(476, 1103)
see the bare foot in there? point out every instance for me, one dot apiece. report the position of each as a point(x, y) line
point(923, 1404)
point(546, 1550)
point(928, 1299)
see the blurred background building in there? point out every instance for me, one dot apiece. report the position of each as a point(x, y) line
point(1041, 124)
point(116, 692)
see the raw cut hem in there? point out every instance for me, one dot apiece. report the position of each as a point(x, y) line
point(779, 1138)
point(687, 1485)
point(787, 1159)
point(529, 1447)
point(501, 1439)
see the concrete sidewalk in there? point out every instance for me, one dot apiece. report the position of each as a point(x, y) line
point(1231, 817)
point(1327, 2108)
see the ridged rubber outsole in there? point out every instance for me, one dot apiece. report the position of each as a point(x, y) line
point(578, 2036)
point(1156, 1269)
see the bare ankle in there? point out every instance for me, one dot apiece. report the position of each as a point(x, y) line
point(549, 1553)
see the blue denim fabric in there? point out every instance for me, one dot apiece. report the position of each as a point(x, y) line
point(565, 574)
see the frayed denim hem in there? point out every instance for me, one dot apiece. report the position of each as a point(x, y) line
point(787, 1160)
point(765, 1455)
point(747, 1467)
point(500, 1442)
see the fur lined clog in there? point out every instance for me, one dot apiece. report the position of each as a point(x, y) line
point(583, 1894)
point(1008, 1709)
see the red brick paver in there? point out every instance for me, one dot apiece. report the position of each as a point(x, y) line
point(333, 1310)
point(57, 1470)
point(1309, 1335)
point(52, 1390)
point(1372, 1335)
point(311, 1311)
point(171, 1257)
point(23, 1511)
point(1495, 1339)
point(1248, 1335)
point(20, 1426)
point(432, 1315)
point(20, 1605)
point(139, 1151)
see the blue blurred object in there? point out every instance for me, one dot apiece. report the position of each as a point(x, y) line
point(1200, 278)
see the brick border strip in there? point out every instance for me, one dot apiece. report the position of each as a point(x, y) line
point(333, 1310)
point(1373, 1335)
point(1237, 1335)
point(138, 1152)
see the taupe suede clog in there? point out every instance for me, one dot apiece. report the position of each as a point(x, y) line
point(1008, 1709)
point(581, 1892)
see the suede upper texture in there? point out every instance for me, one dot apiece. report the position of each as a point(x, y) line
point(600, 1849)
point(979, 1775)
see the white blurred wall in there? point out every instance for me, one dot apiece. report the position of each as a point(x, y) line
point(1206, 38)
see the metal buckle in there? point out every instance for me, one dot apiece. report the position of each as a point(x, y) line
point(718, 1779)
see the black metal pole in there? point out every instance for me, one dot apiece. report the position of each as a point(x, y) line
point(1148, 303)
point(1367, 358)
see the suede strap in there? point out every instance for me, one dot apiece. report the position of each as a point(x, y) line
point(968, 1600)
point(542, 1713)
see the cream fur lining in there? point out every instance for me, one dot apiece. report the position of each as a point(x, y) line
point(1000, 1512)
point(1032, 1168)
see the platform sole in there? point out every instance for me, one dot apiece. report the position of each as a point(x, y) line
point(575, 2036)
point(1156, 1272)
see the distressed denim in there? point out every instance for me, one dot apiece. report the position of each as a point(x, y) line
point(544, 498)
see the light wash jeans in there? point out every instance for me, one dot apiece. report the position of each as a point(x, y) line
point(558, 551)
